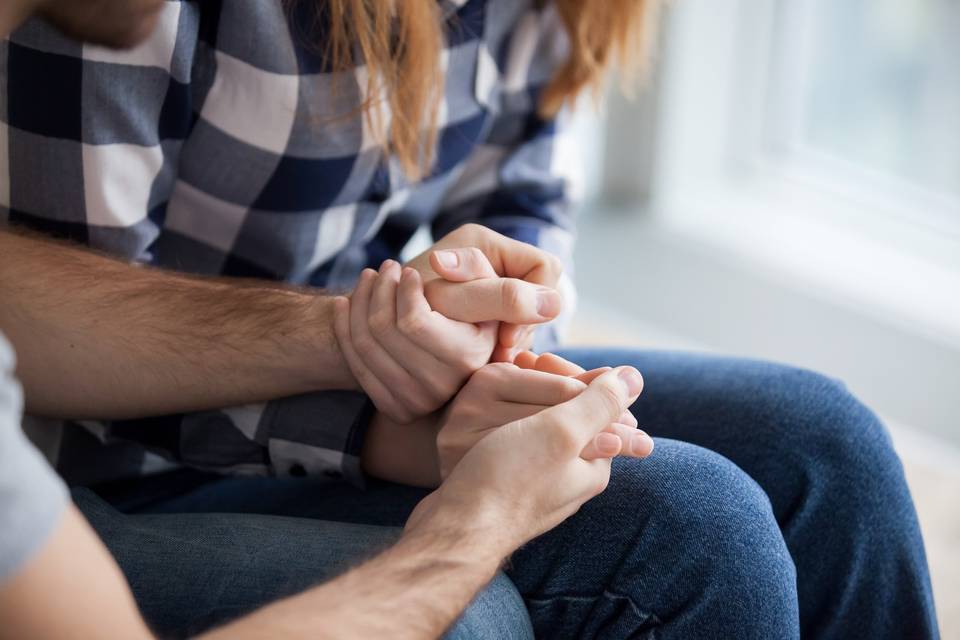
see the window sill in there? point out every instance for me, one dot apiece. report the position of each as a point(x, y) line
point(878, 265)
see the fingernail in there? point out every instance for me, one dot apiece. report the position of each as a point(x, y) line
point(641, 444)
point(632, 378)
point(548, 303)
point(385, 264)
point(449, 259)
point(608, 443)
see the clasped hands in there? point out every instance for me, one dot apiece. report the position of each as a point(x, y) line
point(454, 324)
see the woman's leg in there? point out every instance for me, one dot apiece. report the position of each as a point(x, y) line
point(681, 545)
point(825, 461)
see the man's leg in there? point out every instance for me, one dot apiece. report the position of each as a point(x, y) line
point(835, 484)
point(683, 545)
point(192, 571)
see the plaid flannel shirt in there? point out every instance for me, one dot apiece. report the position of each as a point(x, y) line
point(220, 147)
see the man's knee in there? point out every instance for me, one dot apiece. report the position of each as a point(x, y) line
point(496, 613)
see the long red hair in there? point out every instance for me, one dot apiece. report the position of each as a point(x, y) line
point(401, 41)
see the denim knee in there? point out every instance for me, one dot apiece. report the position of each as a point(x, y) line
point(716, 517)
point(844, 448)
point(496, 613)
point(697, 540)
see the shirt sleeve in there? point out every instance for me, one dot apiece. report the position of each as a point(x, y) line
point(318, 434)
point(32, 496)
point(512, 182)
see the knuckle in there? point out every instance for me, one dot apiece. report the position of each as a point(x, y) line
point(485, 377)
point(511, 294)
point(563, 440)
point(381, 323)
point(474, 253)
point(363, 344)
point(610, 400)
point(553, 264)
point(476, 258)
point(569, 389)
point(472, 228)
point(494, 374)
point(412, 324)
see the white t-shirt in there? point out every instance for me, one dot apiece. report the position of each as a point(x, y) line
point(32, 495)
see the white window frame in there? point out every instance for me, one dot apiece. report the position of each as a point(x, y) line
point(840, 230)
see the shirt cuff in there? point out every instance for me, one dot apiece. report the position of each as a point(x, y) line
point(319, 435)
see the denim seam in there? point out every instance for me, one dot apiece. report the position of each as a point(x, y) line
point(646, 615)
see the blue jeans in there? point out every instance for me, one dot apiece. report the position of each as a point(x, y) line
point(772, 507)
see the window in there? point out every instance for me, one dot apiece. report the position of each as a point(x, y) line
point(883, 87)
point(828, 118)
point(868, 94)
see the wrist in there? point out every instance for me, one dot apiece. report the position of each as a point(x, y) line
point(321, 362)
point(476, 521)
point(405, 454)
point(467, 544)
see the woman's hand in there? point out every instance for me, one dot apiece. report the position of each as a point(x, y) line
point(527, 476)
point(412, 344)
point(524, 271)
point(502, 393)
point(407, 357)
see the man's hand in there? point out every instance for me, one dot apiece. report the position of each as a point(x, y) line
point(502, 393)
point(528, 476)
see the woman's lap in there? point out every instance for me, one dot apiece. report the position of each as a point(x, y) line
point(827, 465)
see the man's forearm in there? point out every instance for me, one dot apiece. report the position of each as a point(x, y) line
point(414, 590)
point(99, 338)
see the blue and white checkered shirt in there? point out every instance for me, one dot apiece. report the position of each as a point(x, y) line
point(220, 147)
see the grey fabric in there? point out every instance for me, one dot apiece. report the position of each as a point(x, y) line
point(32, 497)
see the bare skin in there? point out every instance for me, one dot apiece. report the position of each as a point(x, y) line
point(157, 342)
point(424, 452)
point(413, 335)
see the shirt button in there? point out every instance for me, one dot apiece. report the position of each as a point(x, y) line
point(297, 471)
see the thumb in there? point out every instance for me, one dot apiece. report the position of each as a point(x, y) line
point(462, 265)
point(501, 299)
point(603, 401)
